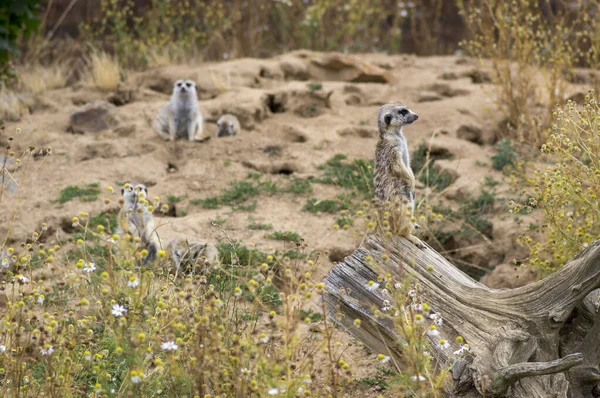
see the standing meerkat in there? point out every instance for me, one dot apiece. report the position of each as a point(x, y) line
point(136, 219)
point(180, 117)
point(228, 125)
point(394, 180)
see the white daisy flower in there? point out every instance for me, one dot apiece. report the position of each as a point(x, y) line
point(118, 310)
point(463, 348)
point(433, 332)
point(136, 379)
point(89, 267)
point(437, 319)
point(2, 348)
point(88, 357)
point(372, 286)
point(444, 345)
point(245, 372)
point(47, 351)
point(22, 278)
point(264, 338)
point(397, 285)
point(417, 307)
point(133, 283)
point(419, 378)
point(237, 292)
point(385, 359)
point(5, 262)
point(169, 346)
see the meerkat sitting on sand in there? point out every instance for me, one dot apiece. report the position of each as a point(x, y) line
point(136, 219)
point(228, 125)
point(180, 117)
point(394, 180)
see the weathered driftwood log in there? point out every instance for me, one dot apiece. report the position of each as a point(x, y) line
point(540, 340)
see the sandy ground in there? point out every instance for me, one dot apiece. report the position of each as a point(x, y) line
point(276, 107)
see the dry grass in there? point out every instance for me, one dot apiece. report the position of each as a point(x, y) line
point(37, 79)
point(104, 71)
point(11, 105)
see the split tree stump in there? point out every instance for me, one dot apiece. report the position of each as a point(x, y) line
point(540, 340)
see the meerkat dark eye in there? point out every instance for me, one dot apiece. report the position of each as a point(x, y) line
point(387, 118)
point(179, 84)
point(403, 112)
point(188, 84)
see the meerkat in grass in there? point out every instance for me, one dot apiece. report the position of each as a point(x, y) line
point(136, 219)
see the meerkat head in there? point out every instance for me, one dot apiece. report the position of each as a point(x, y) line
point(392, 117)
point(184, 87)
point(225, 126)
point(132, 193)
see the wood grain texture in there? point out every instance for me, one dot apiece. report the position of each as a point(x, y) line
point(540, 340)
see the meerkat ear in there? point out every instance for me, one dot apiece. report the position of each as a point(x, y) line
point(387, 118)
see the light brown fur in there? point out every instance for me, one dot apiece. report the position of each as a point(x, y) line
point(136, 220)
point(394, 180)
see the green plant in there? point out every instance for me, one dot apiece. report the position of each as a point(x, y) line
point(356, 175)
point(566, 190)
point(532, 47)
point(18, 19)
point(87, 194)
point(260, 227)
point(506, 155)
point(285, 236)
point(314, 86)
point(314, 205)
point(422, 165)
point(176, 199)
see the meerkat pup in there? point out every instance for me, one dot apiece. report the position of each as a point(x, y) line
point(136, 220)
point(180, 117)
point(228, 125)
point(394, 180)
point(186, 257)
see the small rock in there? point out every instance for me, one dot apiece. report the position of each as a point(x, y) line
point(446, 90)
point(125, 131)
point(578, 98)
point(470, 133)
point(338, 254)
point(121, 97)
point(428, 96)
point(449, 76)
point(479, 76)
point(93, 118)
point(293, 133)
point(338, 66)
point(353, 100)
point(294, 69)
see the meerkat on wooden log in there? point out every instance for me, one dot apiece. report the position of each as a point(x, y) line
point(394, 180)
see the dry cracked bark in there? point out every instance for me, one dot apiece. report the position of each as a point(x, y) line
point(540, 340)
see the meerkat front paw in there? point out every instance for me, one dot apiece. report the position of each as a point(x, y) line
point(416, 241)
